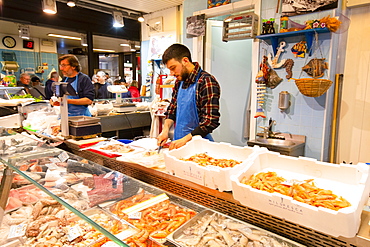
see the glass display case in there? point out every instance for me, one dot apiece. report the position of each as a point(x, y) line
point(57, 198)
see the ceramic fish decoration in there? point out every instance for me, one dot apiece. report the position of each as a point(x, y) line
point(299, 49)
point(316, 67)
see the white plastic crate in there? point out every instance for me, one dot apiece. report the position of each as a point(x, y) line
point(209, 176)
point(349, 181)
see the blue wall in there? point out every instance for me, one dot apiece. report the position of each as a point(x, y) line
point(29, 59)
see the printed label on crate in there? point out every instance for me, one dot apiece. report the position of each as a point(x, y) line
point(285, 205)
point(74, 232)
point(17, 231)
point(193, 174)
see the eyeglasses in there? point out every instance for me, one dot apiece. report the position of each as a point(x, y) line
point(64, 65)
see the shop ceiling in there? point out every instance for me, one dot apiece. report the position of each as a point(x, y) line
point(87, 16)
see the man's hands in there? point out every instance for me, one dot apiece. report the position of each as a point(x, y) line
point(180, 142)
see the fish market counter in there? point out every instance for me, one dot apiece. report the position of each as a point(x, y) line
point(58, 198)
point(125, 121)
point(225, 203)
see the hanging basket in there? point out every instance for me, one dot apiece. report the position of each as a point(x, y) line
point(313, 87)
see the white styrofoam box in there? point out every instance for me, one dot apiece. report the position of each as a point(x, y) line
point(209, 176)
point(349, 181)
point(11, 121)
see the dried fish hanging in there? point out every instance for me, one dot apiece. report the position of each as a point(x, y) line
point(261, 80)
point(314, 87)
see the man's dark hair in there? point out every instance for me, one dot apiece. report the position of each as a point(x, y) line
point(176, 51)
point(72, 60)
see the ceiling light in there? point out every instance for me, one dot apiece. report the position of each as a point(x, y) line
point(117, 19)
point(124, 44)
point(71, 3)
point(49, 6)
point(137, 46)
point(141, 19)
point(63, 36)
point(104, 50)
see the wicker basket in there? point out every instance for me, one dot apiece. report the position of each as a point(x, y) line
point(312, 87)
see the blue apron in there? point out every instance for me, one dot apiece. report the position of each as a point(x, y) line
point(76, 110)
point(187, 118)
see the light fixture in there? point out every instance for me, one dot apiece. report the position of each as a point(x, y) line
point(71, 3)
point(141, 19)
point(132, 47)
point(63, 36)
point(24, 32)
point(137, 46)
point(117, 19)
point(49, 6)
point(84, 40)
point(124, 45)
point(103, 50)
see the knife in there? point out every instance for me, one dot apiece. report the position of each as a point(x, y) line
point(159, 148)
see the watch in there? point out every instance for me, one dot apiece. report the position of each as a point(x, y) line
point(9, 42)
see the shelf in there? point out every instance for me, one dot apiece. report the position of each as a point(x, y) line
point(309, 33)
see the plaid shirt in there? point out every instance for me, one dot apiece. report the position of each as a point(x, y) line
point(207, 98)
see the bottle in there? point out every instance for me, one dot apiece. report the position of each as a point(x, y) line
point(284, 23)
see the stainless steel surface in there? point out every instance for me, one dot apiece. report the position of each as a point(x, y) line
point(82, 120)
point(293, 145)
point(225, 203)
point(276, 142)
point(125, 121)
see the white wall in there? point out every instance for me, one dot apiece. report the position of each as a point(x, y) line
point(354, 125)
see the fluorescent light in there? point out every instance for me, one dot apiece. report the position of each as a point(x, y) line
point(63, 36)
point(104, 50)
point(137, 46)
point(124, 44)
point(141, 19)
point(49, 6)
point(71, 3)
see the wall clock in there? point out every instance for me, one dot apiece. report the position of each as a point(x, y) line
point(9, 42)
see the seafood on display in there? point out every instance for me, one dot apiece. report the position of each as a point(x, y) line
point(204, 159)
point(213, 229)
point(306, 191)
point(118, 148)
point(156, 221)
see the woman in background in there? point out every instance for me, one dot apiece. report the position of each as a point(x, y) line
point(134, 91)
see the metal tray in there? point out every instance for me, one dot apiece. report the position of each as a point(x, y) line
point(82, 120)
point(180, 231)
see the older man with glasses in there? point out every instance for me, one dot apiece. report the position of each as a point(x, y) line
point(24, 81)
point(81, 83)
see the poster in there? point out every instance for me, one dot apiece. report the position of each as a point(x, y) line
point(159, 43)
point(300, 7)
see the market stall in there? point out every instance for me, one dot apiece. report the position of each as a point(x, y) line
point(58, 198)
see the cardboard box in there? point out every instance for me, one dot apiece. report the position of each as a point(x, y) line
point(349, 181)
point(209, 176)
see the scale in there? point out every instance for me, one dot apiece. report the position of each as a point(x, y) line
point(77, 126)
point(121, 105)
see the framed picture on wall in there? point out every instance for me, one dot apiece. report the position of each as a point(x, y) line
point(215, 3)
point(299, 7)
point(195, 26)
